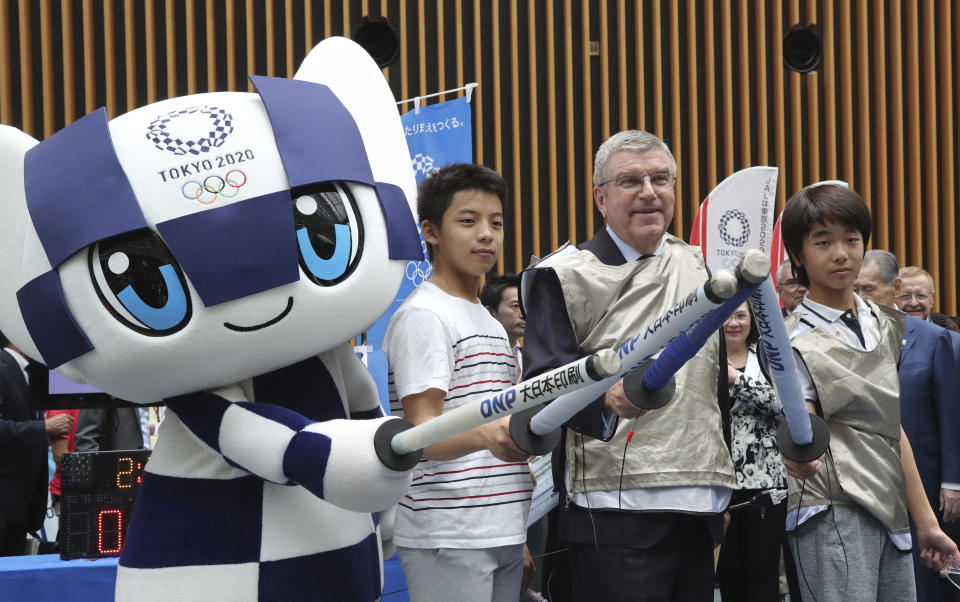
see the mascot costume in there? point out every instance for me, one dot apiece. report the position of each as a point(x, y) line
point(214, 252)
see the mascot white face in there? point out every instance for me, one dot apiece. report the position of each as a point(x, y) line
point(206, 239)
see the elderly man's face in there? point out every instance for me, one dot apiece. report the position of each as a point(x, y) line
point(915, 296)
point(637, 201)
point(790, 290)
point(869, 285)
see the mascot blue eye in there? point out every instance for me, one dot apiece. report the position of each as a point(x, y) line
point(140, 283)
point(329, 234)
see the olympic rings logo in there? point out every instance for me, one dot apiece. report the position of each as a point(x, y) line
point(214, 187)
point(418, 271)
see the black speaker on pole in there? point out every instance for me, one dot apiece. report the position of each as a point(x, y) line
point(802, 48)
point(379, 39)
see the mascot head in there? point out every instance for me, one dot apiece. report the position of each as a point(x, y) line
point(206, 239)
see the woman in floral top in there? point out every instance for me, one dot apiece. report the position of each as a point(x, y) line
point(749, 563)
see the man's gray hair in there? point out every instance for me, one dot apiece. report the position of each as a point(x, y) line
point(885, 260)
point(628, 140)
point(785, 265)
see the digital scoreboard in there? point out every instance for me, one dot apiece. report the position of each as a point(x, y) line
point(97, 494)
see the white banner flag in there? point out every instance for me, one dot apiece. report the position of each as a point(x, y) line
point(737, 215)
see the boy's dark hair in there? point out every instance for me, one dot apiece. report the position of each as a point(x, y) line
point(492, 294)
point(436, 192)
point(820, 204)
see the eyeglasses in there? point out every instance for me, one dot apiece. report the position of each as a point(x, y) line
point(791, 283)
point(629, 181)
point(920, 297)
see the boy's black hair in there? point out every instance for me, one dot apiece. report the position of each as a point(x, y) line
point(821, 204)
point(492, 294)
point(436, 192)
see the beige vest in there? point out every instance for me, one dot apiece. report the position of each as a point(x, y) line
point(681, 444)
point(859, 393)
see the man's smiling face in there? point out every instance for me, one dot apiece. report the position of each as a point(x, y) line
point(639, 216)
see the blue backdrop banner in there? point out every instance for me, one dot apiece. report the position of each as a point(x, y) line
point(439, 135)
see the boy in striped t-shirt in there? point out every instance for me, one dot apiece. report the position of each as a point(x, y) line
point(462, 525)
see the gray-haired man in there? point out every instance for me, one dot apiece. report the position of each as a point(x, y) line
point(929, 411)
point(640, 514)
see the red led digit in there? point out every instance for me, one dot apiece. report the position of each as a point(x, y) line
point(117, 533)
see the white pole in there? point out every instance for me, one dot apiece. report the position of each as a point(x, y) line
point(535, 391)
point(639, 349)
point(781, 363)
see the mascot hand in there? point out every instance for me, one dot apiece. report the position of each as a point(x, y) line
point(386, 520)
point(355, 478)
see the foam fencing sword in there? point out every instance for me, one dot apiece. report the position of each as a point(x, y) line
point(573, 386)
point(399, 444)
point(636, 352)
point(803, 436)
point(653, 386)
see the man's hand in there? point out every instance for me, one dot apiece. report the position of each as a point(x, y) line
point(615, 401)
point(935, 547)
point(802, 470)
point(529, 569)
point(950, 504)
point(59, 425)
point(496, 436)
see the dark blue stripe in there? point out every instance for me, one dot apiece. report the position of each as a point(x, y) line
point(238, 249)
point(349, 574)
point(480, 336)
point(49, 321)
point(330, 149)
point(403, 240)
point(77, 192)
point(184, 522)
point(276, 413)
point(316, 136)
point(376, 412)
point(202, 413)
point(305, 387)
point(305, 461)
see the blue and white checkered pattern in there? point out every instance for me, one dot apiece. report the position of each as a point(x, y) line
point(221, 125)
point(232, 502)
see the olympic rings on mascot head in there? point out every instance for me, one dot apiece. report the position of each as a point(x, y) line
point(216, 186)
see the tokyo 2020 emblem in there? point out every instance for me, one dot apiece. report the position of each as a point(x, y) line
point(734, 228)
point(174, 131)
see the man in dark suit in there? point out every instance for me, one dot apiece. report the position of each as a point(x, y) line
point(646, 531)
point(108, 429)
point(23, 454)
point(929, 408)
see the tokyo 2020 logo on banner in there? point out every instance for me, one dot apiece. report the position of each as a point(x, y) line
point(734, 228)
point(176, 131)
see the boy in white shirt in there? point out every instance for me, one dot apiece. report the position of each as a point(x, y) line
point(461, 528)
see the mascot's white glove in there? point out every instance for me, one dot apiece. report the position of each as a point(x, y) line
point(387, 519)
point(355, 478)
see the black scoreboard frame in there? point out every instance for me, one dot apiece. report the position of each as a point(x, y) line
point(98, 490)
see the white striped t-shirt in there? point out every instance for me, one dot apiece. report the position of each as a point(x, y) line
point(438, 341)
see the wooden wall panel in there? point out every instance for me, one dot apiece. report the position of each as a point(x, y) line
point(555, 79)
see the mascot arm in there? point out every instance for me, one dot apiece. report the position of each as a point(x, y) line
point(363, 400)
point(335, 460)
